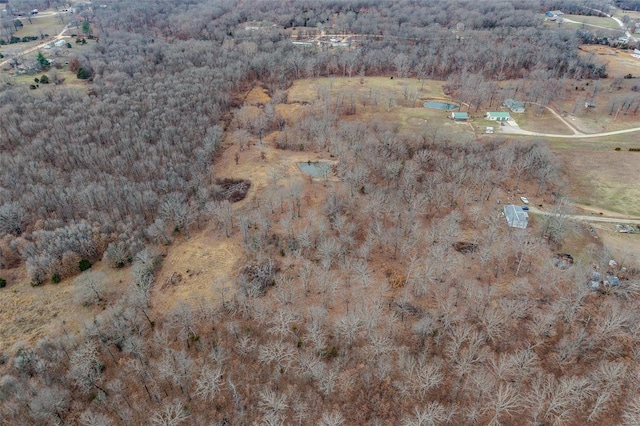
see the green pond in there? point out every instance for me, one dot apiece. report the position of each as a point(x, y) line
point(315, 168)
point(441, 105)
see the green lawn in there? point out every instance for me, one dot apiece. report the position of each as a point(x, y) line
point(594, 20)
point(42, 25)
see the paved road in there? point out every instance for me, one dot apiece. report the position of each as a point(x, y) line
point(583, 218)
point(513, 129)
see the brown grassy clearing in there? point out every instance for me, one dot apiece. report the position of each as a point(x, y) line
point(383, 99)
point(203, 268)
point(538, 119)
point(619, 62)
point(45, 24)
point(27, 313)
point(257, 96)
point(606, 179)
point(619, 13)
point(197, 270)
point(306, 90)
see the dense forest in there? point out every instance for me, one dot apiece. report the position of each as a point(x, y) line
point(359, 308)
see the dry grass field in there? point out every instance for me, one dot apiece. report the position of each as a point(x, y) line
point(390, 100)
point(28, 313)
point(619, 62)
point(605, 179)
point(538, 119)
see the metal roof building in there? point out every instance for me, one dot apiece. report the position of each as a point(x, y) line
point(516, 217)
point(514, 106)
point(460, 116)
point(498, 116)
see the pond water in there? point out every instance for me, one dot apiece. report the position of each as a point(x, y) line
point(441, 105)
point(315, 168)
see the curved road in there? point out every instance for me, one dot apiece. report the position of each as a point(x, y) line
point(513, 129)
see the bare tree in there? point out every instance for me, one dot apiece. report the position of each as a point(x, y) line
point(91, 288)
point(209, 384)
point(49, 404)
point(86, 368)
point(171, 414)
point(432, 414)
point(333, 418)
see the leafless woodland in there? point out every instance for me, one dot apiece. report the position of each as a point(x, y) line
point(355, 309)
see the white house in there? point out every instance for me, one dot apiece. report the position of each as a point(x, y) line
point(516, 217)
point(498, 116)
point(60, 43)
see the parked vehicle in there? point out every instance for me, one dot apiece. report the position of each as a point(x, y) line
point(524, 200)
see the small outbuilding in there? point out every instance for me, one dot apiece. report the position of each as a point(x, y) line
point(489, 130)
point(516, 217)
point(498, 116)
point(460, 116)
point(514, 106)
point(60, 43)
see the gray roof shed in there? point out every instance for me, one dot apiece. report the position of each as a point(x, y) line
point(516, 217)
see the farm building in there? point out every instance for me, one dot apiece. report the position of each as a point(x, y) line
point(60, 43)
point(460, 116)
point(498, 116)
point(514, 106)
point(553, 13)
point(516, 217)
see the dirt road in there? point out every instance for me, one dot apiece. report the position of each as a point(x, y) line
point(585, 218)
point(39, 46)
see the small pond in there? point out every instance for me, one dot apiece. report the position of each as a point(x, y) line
point(315, 168)
point(441, 105)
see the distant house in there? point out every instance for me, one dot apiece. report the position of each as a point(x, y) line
point(516, 217)
point(553, 13)
point(498, 116)
point(589, 104)
point(460, 116)
point(514, 106)
point(60, 43)
point(489, 130)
